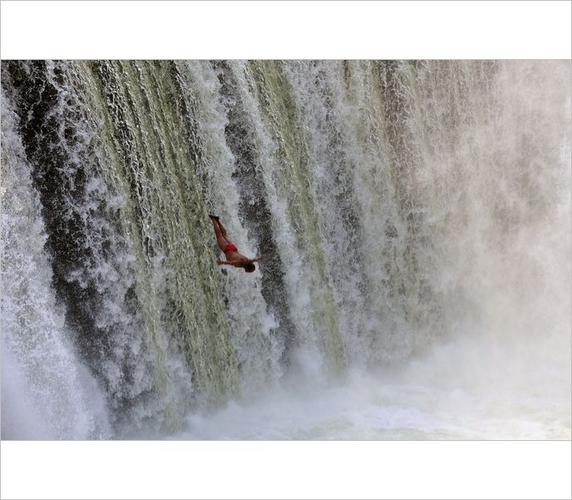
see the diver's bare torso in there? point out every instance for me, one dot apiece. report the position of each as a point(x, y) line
point(233, 256)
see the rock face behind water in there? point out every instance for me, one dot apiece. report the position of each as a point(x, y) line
point(395, 201)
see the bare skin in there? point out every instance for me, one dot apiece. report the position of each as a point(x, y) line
point(233, 258)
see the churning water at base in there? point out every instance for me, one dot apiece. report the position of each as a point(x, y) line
point(416, 219)
point(463, 390)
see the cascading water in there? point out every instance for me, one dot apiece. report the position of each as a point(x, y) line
point(415, 217)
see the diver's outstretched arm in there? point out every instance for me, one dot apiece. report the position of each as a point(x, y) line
point(229, 262)
point(261, 257)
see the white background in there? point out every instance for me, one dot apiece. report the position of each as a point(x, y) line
point(281, 30)
point(285, 469)
point(333, 30)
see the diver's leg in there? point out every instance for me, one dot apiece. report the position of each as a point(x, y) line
point(220, 237)
point(222, 228)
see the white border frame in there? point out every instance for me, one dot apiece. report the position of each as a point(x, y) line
point(284, 469)
point(317, 29)
point(285, 30)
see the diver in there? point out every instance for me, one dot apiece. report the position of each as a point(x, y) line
point(233, 257)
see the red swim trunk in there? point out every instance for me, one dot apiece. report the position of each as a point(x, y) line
point(231, 247)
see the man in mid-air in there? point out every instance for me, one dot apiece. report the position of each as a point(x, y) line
point(233, 257)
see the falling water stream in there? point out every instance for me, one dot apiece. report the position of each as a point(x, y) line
point(415, 216)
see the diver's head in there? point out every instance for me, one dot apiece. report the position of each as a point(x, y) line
point(249, 268)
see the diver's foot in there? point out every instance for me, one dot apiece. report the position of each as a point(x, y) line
point(215, 217)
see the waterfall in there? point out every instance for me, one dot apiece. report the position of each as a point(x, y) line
point(42, 376)
point(401, 205)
